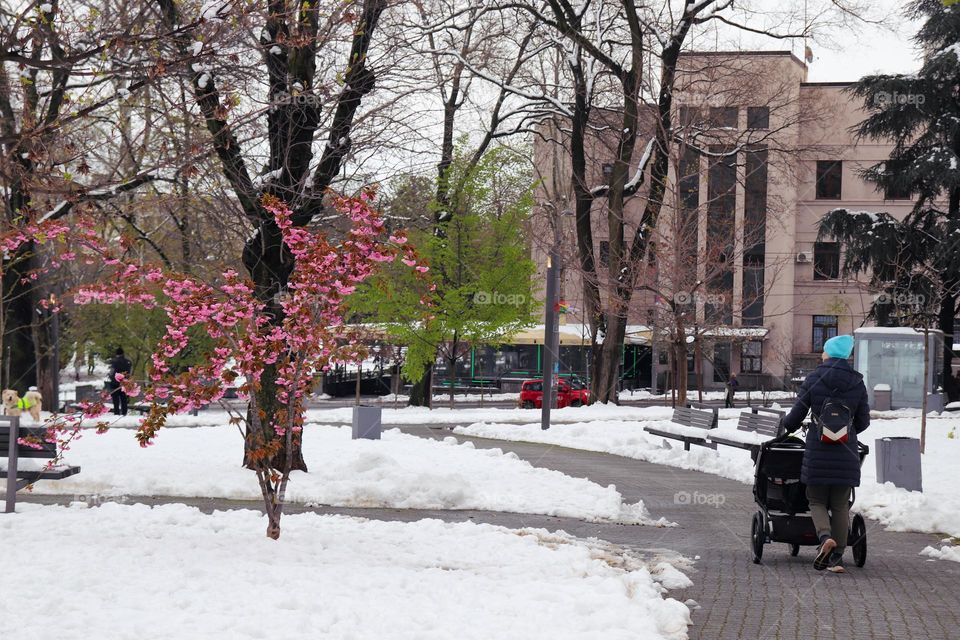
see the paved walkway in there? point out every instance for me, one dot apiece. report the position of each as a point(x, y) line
point(898, 594)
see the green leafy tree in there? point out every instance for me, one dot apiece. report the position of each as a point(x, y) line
point(920, 114)
point(480, 285)
point(100, 329)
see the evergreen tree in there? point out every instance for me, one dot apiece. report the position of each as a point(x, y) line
point(920, 114)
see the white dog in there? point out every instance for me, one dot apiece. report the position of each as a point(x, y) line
point(14, 405)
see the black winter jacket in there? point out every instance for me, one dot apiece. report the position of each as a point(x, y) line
point(831, 463)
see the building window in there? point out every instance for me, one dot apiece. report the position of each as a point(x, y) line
point(689, 116)
point(751, 311)
point(829, 179)
point(724, 117)
point(897, 192)
point(721, 362)
point(751, 357)
point(826, 260)
point(607, 171)
point(604, 253)
point(758, 117)
point(898, 189)
point(824, 328)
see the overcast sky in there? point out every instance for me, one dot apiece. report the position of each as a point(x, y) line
point(886, 49)
point(844, 48)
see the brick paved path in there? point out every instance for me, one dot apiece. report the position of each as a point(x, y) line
point(898, 594)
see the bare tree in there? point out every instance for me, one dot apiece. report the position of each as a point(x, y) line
point(63, 65)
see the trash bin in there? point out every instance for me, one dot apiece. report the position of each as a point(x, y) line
point(881, 397)
point(898, 461)
point(366, 423)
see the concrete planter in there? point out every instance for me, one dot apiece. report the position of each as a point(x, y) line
point(366, 423)
point(898, 461)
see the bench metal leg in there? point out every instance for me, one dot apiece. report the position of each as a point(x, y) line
point(13, 450)
point(686, 445)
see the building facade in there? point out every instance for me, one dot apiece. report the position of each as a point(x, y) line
point(761, 156)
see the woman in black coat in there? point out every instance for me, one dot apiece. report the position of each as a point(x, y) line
point(831, 470)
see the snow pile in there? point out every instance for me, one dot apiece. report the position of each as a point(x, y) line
point(945, 552)
point(400, 471)
point(620, 438)
point(937, 509)
point(184, 574)
point(414, 416)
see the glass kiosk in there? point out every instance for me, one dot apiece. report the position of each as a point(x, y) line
point(894, 356)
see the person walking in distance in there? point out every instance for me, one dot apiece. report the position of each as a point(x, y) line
point(119, 364)
point(835, 395)
point(732, 385)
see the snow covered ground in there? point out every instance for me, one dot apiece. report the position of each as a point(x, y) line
point(416, 416)
point(937, 509)
point(644, 394)
point(171, 572)
point(399, 471)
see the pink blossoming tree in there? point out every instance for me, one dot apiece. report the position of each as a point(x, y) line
point(253, 345)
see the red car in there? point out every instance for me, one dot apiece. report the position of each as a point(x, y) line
point(569, 394)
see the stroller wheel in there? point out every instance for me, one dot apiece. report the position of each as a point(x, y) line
point(757, 536)
point(794, 549)
point(858, 540)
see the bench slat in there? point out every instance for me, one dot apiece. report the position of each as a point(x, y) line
point(47, 450)
point(57, 473)
point(763, 424)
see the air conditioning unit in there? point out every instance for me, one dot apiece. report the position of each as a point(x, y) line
point(803, 257)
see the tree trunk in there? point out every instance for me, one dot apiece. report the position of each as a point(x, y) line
point(269, 265)
point(948, 313)
point(698, 366)
point(421, 389)
point(608, 366)
point(452, 363)
point(26, 330)
point(680, 362)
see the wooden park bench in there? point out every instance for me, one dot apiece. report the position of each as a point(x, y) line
point(689, 425)
point(758, 425)
point(12, 450)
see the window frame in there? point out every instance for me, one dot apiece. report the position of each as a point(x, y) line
point(749, 362)
point(824, 171)
point(826, 329)
point(719, 114)
point(752, 116)
point(826, 250)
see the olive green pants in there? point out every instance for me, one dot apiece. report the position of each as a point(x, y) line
point(830, 509)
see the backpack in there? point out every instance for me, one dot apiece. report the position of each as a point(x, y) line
point(834, 421)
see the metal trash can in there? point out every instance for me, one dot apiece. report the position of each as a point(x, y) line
point(898, 461)
point(366, 423)
point(881, 397)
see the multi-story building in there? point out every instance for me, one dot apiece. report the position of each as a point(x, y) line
point(767, 154)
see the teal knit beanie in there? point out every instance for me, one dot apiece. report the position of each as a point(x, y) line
point(839, 346)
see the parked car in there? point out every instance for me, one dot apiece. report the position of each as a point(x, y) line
point(570, 393)
point(581, 391)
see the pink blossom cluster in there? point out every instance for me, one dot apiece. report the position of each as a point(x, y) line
point(294, 334)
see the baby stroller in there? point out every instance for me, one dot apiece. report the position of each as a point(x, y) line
point(784, 514)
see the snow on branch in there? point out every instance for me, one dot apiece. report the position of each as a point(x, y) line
point(638, 176)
